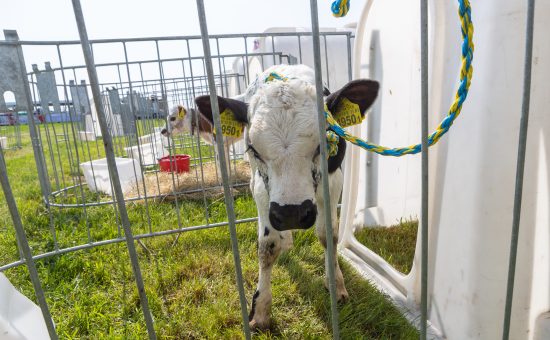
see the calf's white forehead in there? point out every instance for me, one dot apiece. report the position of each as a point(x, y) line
point(283, 119)
point(283, 129)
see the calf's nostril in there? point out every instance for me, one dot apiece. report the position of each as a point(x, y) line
point(290, 216)
point(276, 218)
point(278, 215)
point(305, 216)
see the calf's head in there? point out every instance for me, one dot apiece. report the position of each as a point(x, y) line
point(283, 142)
point(178, 121)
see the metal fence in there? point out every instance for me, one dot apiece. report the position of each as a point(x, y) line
point(129, 104)
point(104, 108)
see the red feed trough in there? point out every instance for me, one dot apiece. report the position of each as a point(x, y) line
point(178, 163)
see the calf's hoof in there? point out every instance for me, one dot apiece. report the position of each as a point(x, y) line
point(341, 293)
point(259, 325)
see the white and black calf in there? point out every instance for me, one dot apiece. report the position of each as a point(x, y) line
point(183, 120)
point(283, 144)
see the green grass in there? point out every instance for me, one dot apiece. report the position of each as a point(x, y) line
point(190, 283)
point(395, 244)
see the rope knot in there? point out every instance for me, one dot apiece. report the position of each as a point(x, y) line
point(332, 143)
point(340, 8)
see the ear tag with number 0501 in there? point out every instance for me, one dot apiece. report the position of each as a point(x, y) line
point(230, 126)
point(348, 113)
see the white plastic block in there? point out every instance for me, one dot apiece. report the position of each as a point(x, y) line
point(4, 142)
point(97, 176)
point(90, 123)
point(20, 318)
point(155, 135)
point(150, 151)
point(86, 136)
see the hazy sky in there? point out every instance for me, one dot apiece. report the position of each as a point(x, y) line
point(54, 19)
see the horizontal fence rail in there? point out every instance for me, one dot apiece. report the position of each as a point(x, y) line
point(142, 92)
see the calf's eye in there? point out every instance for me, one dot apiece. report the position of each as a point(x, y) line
point(172, 119)
point(254, 152)
point(317, 152)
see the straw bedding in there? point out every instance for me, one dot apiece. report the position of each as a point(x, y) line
point(191, 185)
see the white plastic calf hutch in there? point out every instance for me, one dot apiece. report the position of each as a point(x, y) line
point(472, 169)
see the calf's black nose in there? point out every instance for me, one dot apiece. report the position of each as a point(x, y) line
point(164, 132)
point(292, 216)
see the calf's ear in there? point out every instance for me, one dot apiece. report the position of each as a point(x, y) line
point(362, 92)
point(239, 109)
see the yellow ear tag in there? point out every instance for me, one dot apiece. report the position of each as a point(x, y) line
point(181, 112)
point(347, 113)
point(230, 126)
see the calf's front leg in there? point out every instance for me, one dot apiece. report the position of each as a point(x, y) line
point(271, 243)
point(335, 185)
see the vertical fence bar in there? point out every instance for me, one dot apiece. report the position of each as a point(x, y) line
point(24, 247)
point(108, 143)
point(330, 258)
point(520, 166)
point(138, 142)
point(424, 146)
point(326, 60)
point(198, 138)
point(39, 159)
point(224, 171)
point(68, 144)
point(348, 49)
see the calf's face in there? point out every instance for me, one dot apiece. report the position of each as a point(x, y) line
point(283, 143)
point(176, 121)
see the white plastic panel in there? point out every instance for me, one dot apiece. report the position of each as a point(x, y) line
point(472, 170)
point(20, 318)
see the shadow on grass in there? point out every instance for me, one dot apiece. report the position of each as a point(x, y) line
point(368, 314)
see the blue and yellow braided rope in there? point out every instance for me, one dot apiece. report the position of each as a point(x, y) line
point(467, 28)
point(275, 76)
point(340, 8)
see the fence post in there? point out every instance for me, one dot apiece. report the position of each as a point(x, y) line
point(520, 166)
point(324, 168)
point(113, 171)
point(223, 166)
point(424, 176)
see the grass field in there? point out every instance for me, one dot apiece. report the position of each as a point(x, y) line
point(394, 244)
point(190, 283)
